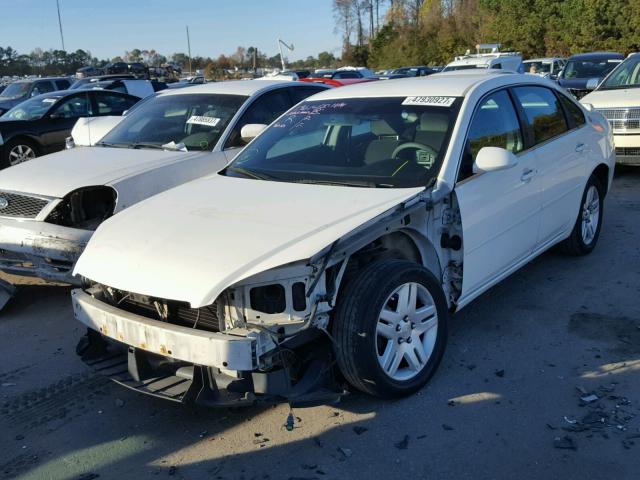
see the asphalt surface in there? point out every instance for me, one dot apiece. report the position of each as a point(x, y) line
point(507, 394)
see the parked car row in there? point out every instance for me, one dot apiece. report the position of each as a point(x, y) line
point(222, 261)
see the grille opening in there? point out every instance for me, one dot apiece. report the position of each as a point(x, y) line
point(22, 206)
point(170, 311)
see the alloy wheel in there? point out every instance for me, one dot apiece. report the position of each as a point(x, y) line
point(21, 153)
point(590, 215)
point(406, 331)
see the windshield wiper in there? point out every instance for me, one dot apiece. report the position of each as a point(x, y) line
point(113, 145)
point(251, 173)
point(146, 145)
point(350, 183)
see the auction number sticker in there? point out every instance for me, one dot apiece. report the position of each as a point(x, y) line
point(430, 101)
point(202, 120)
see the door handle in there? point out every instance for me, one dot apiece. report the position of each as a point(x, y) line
point(527, 175)
point(580, 147)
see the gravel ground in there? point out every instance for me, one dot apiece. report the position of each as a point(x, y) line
point(506, 402)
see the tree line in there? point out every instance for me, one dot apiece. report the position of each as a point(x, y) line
point(416, 32)
point(392, 33)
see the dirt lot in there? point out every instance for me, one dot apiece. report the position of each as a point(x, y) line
point(506, 397)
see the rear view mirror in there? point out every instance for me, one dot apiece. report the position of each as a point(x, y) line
point(251, 131)
point(592, 84)
point(490, 159)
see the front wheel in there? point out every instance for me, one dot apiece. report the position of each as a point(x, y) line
point(586, 230)
point(390, 328)
point(18, 151)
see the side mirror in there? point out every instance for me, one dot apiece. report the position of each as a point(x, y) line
point(490, 159)
point(588, 107)
point(251, 131)
point(592, 84)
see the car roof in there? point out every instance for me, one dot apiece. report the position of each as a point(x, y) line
point(595, 55)
point(449, 84)
point(31, 80)
point(233, 87)
point(543, 59)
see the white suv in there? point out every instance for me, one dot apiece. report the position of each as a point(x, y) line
point(618, 99)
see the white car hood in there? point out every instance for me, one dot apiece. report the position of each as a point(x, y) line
point(89, 130)
point(192, 242)
point(58, 174)
point(628, 97)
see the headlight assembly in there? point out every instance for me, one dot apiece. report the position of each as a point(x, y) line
point(84, 208)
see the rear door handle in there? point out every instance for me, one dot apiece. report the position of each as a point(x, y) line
point(580, 147)
point(527, 175)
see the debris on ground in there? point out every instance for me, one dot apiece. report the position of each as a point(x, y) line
point(260, 441)
point(402, 444)
point(359, 430)
point(346, 452)
point(607, 415)
point(446, 427)
point(172, 470)
point(566, 443)
point(499, 373)
point(118, 402)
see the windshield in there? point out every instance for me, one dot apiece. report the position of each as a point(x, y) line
point(537, 67)
point(626, 75)
point(15, 90)
point(365, 142)
point(31, 109)
point(589, 69)
point(194, 120)
point(451, 68)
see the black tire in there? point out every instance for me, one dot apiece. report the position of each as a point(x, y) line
point(355, 327)
point(5, 161)
point(575, 244)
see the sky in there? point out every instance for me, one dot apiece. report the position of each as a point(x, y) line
point(108, 28)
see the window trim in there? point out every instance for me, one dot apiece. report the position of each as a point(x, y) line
point(568, 115)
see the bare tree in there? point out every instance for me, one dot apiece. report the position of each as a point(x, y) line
point(343, 12)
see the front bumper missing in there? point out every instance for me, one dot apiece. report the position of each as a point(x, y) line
point(40, 249)
point(199, 347)
point(194, 366)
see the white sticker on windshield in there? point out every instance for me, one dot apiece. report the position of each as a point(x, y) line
point(430, 101)
point(202, 120)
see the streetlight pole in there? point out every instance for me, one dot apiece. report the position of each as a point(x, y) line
point(60, 24)
point(189, 49)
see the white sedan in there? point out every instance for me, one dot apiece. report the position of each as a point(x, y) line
point(50, 206)
point(346, 233)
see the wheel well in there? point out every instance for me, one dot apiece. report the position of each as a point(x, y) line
point(27, 138)
point(602, 174)
point(397, 245)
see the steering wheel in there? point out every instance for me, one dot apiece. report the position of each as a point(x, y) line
point(416, 146)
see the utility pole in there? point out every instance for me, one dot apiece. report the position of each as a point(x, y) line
point(60, 24)
point(189, 49)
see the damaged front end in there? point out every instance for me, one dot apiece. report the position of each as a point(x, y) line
point(263, 340)
point(44, 237)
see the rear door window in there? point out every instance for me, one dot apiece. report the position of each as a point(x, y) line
point(62, 84)
point(574, 111)
point(300, 93)
point(112, 103)
point(543, 112)
point(263, 110)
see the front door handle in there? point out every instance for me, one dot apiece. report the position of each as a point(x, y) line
point(580, 147)
point(527, 175)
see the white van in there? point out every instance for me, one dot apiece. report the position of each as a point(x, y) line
point(487, 56)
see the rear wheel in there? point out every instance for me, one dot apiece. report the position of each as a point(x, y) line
point(18, 151)
point(586, 230)
point(390, 328)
